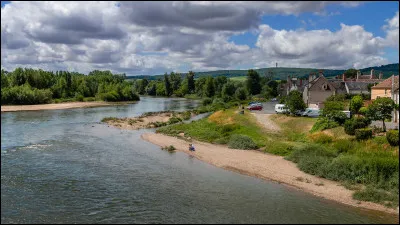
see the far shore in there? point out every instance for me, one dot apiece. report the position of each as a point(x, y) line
point(265, 166)
point(53, 106)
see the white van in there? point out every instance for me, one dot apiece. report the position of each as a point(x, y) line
point(311, 112)
point(280, 108)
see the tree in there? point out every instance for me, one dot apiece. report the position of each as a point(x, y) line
point(209, 87)
point(381, 109)
point(151, 89)
point(228, 90)
point(294, 102)
point(241, 93)
point(351, 73)
point(175, 79)
point(253, 82)
point(190, 82)
point(219, 83)
point(168, 89)
point(355, 104)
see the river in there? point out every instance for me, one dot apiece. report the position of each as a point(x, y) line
point(64, 166)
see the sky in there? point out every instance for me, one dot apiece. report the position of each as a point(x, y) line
point(149, 38)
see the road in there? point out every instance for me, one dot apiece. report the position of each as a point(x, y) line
point(268, 108)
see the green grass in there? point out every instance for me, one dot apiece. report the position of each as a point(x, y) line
point(329, 154)
point(241, 78)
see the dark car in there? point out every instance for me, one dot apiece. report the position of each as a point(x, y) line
point(255, 107)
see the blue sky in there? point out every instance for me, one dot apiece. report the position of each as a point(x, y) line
point(157, 37)
point(371, 15)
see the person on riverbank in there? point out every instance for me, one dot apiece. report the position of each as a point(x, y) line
point(191, 148)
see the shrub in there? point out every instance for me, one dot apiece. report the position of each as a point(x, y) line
point(227, 128)
point(354, 123)
point(321, 138)
point(173, 120)
point(323, 124)
point(343, 145)
point(279, 148)
point(363, 110)
point(392, 137)
point(169, 148)
point(79, 97)
point(363, 133)
point(90, 99)
point(207, 101)
point(238, 141)
point(186, 115)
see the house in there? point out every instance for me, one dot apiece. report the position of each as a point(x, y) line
point(294, 84)
point(388, 88)
point(318, 89)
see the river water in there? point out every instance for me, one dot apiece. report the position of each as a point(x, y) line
point(63, 166)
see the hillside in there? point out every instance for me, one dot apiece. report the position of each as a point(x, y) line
point(280, 73)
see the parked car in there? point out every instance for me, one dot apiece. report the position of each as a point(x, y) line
point(256, 106)
point(281, 108)
point(312, 112)
point(251, 103)
point(274, 99)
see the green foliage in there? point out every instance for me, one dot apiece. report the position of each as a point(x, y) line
point(30, 86)
point(336, 98)
point(278, 148)
point(381, 109)
point(355, 123)
point(294, 101)
point(253, 82)
point(228, 90)
point(392, 137)
point(376, 195)
point(25, 95)
point(363, 133)
point(241, 93)
point(363, 111)
point(209, 87)
point(112, 119)
point(323, 123)
point(167, 86)
point(191, 82)
point(321, 138)
point(343, 145)
point(238, 141)
point(333, 111)
point(351, 73)
point(356, 103)
point(207, 101)
point(170, 148)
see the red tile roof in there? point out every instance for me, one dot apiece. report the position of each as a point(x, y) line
point(388, 83)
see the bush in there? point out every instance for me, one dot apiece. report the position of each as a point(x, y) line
point(363, 111)
point(90, 99)
point(355, 123)
point(392, 137)
point(363, 133)
point(207, 101)
point(186, 115)
point(238, 141)
point(79, 98)
point(321, 138)
point(173, 120)
point(227, 128)
point(343, 145)
point(323, 124)
point(222, 141)
point(170, 148)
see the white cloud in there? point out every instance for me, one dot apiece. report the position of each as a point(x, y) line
point(152, 38)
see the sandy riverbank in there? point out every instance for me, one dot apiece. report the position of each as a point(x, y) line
point(144, 121)
point(265, 166)
point(66, 105)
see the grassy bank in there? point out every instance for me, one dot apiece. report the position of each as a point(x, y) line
point(371, 167)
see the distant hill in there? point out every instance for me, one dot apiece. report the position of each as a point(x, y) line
point(281, 73)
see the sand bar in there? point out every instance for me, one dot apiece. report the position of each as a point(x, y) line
point(66, 105)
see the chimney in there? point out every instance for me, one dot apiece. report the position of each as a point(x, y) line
point(380, 75)
point(344, 77)
point(372, 74)
point(301, 82)
point(321, 74)
point(309, 78)
point(358, 75)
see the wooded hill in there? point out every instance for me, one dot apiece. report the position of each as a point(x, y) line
point(281, 73)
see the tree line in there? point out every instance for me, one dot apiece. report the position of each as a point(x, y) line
point(36, 86)
point(177, 85)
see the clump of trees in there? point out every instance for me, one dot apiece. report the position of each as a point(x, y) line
point(36, 86)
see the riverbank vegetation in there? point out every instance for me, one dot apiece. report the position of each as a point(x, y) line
point(31, 86)
point(370, 167)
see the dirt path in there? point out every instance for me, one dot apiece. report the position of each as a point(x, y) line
point(265, 166)
point(266, 122)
